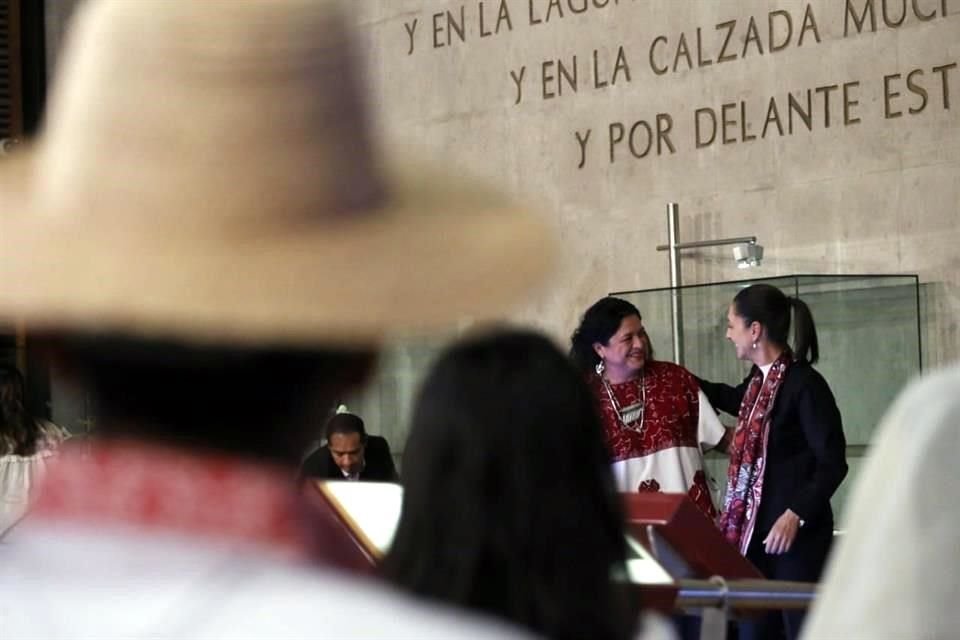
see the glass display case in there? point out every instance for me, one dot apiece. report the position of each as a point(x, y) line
point(868, 328)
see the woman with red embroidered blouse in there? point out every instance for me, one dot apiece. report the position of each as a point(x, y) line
point(788, 454)
point(656, 421)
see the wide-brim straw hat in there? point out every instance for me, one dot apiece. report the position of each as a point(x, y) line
point(207, 172)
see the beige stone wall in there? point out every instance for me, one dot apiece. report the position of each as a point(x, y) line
point(871, 185)
point(874, 190)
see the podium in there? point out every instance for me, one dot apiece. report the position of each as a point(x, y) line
point(683, 538)
point(677, 559)
point(669, 540)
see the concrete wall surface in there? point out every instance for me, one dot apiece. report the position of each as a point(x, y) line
point(830, 129)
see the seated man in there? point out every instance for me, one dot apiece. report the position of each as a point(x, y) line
point(350, 454)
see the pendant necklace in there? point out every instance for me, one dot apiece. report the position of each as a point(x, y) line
point(631, 413)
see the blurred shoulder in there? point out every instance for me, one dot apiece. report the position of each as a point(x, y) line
point(289, 605)
point(377, 442)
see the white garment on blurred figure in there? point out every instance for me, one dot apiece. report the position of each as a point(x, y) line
point(136, 541)
point(21, 477)
point(63, 582)
point(896, 572)
point(76, 585)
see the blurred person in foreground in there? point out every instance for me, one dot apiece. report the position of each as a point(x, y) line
point(895, 572)
point(509, 507)
point(205, 185)
point(27, 445)
point(657, 423)
point(350, 453)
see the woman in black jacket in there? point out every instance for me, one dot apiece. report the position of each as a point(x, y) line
point(788, 454)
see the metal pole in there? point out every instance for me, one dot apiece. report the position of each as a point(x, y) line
point(710, 243)
point(676, 304)
point(746, 594)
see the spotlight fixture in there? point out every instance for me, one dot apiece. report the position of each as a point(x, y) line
point(746, 251)
point(748, 255)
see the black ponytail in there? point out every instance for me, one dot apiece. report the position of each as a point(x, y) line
point(804, 332)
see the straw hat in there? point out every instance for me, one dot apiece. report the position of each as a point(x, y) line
point(207, 172)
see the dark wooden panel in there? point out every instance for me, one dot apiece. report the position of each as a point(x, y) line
point(11, 85)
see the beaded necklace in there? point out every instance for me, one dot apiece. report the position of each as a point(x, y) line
point(628, 415)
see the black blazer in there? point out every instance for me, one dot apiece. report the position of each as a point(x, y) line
point(378, 463)
point(806, 448)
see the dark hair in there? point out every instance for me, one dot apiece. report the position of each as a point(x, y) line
point(345, 423)
point(19, 432)
point(598, 324)
point(509, 505)
point(256, 402)
point(770, 307)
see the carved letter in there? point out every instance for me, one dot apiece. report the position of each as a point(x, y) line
point(893, 24)
point(664, 125)
point(858, 22)
point(553, 4)
point(752, 36)
point(682, 50)
point(545, 79)
point(653, 45)
point(726, 41)
point(772, 116)
point(620, 66)
point(411, 27)
point(825, 90)
point(808, 23)
point(942, 70)
point(889, 113)
point(532, 19)
point(713, 126)
point(583, 147)
point(517, 80)
point(923, 17)
point(483, 33)
point(615, 133)
point(504, 16)
point(770, 30)
point(700, 61)
point(437, 30)
point(849, 102)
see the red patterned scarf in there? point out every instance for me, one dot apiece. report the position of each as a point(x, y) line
point(748, 454)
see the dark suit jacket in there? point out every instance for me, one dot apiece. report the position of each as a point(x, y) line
point(806, 449)
point(378, 465)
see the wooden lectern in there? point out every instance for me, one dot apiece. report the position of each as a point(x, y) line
point(683, 539)
point(668, 538)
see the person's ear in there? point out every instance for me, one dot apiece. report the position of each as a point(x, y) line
point(598, 349)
